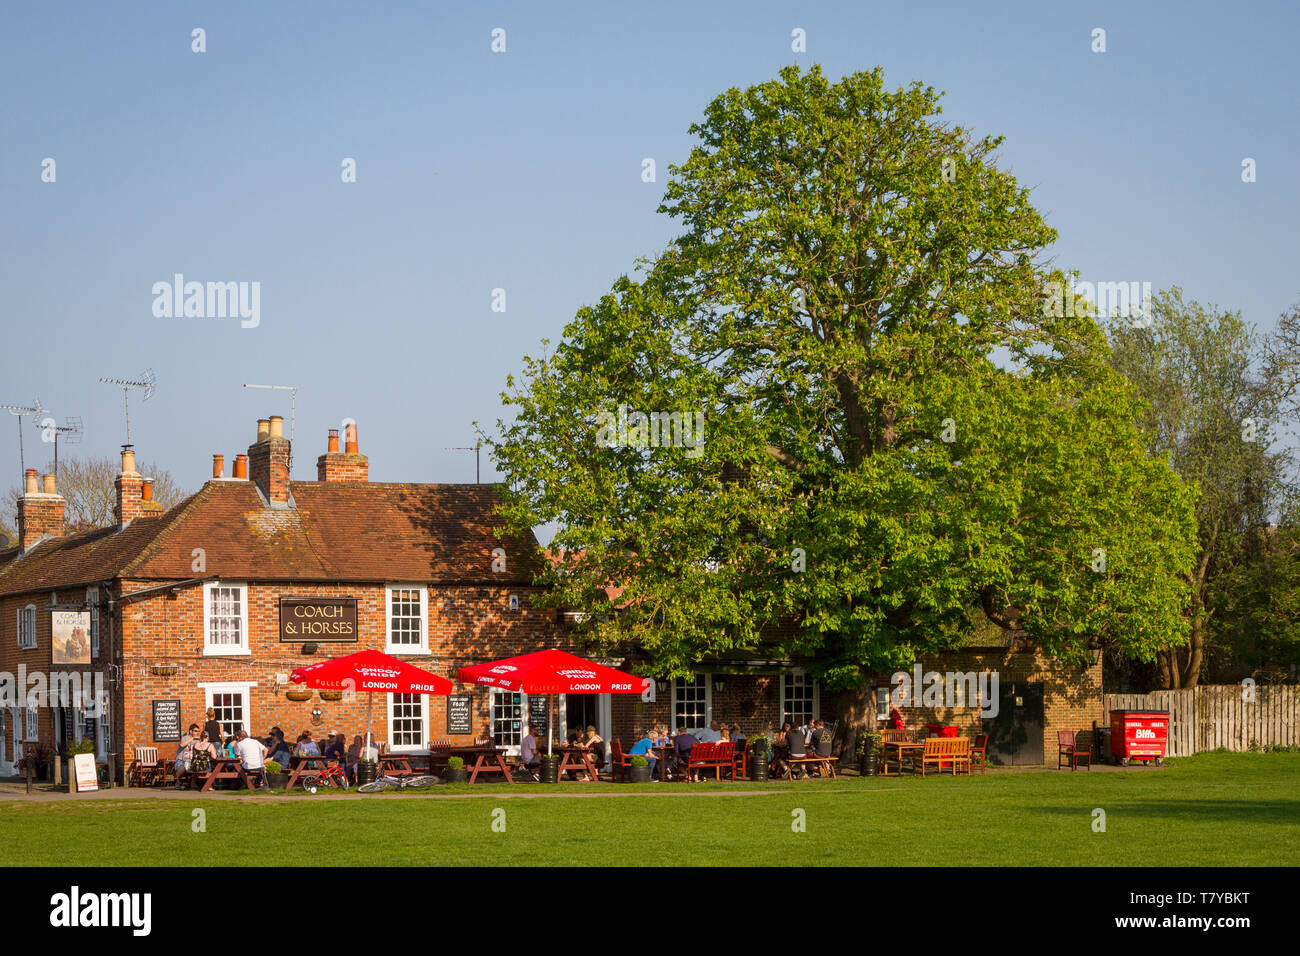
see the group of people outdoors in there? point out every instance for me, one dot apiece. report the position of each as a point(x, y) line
point(203, 744)
point(530, 756)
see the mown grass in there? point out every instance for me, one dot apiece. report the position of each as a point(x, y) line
point(1209, 810)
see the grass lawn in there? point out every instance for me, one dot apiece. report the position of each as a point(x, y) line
point(1214, 809)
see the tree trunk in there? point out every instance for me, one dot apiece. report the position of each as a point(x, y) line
point(856, 712)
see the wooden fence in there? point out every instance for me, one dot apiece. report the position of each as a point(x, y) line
point(1210, 717)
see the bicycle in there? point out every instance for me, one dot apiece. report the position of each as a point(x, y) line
point(399, 783)
point(331, 776)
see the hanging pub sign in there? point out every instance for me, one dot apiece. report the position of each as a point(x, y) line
point(316, 620)
point(70, 636)
point(166, 720)
point(460, 714)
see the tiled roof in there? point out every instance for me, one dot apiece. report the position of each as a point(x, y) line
point(339, 531)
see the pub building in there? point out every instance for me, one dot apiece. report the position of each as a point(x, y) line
point(213, 603)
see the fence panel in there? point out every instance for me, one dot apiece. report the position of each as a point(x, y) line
point(1208, 717)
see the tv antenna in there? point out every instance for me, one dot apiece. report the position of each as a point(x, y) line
point(70, 430)
point(474, 449)
point(18, 411)
point(293, 410)
point(145, 382)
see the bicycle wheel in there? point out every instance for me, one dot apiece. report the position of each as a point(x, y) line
point(376, 786)
point(421, 781)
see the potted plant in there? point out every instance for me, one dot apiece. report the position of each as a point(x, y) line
point(639, 771)
point(868, 747)
point(550, 767)
point(456, 772)
point(298, 693)
point(758, 757)
point(331, 695)
point(82, 746)
point(276, 778)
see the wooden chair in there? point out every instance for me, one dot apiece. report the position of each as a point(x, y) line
point(1067, 749)
point(439, 751)
point(979, 751)
point(619, 761)
point(893, 736)
point(144, 767)
point(740, 760)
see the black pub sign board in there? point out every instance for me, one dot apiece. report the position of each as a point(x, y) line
point(166, 720)
point(460, 714)
point(315, 620)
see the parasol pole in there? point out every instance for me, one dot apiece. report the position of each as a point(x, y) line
point(370, 701)
point(550, 725)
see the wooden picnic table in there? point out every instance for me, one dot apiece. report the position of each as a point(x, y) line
point(578, 759)
point(487, 759)
point(900, 747)
point(304, 765)
point(395, 765)
point(223, 768)
point(663, 753)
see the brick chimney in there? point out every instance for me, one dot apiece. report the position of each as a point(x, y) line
point(346, 465)
point(129, 487)
point(268, 459)
point(40, 513)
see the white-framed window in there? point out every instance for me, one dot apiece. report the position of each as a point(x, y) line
point(798, 697)
point(406, 613)
point(882, 702)
point(27, 626)
point(692, 702)
point(508, 709)
point(32, 728)
point(92, 598)
point(225, 619)
point(408, 722)
point(230, 700)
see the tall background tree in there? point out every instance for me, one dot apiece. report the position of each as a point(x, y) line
point(87, 485)
point(1213, 407)
point(853, 283)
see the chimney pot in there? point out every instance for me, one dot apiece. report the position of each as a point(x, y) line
point(333, 445)
point(263, 429)
point(350, 437)
point(146, 490)
point(277, 426)
point(30, 486)
point(218, 466)
point(49, 485)
point(128, 460)
point(241, 467)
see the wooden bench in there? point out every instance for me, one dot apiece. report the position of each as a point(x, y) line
point(716, 757)
point(940, 752)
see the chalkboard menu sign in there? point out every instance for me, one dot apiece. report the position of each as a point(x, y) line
point(166, 720)
point(460, 714)
point(537, 706)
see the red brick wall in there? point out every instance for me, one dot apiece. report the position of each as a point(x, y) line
point(466, 625)
point(339, 466)
point(39, 515)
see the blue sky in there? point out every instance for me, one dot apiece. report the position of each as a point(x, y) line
point(522, 171)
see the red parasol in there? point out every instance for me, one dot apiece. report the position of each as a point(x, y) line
point(369, 671)
point(553, 672)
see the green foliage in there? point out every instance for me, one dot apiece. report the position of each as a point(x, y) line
point(455, 763)
point(639, 761)
point(872, 470)
point(82, 746)
point(273, 766)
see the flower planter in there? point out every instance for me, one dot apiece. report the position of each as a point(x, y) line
point(550, 772)
point(331, 695)
point(298, 695)
point(460, 775)
point(367, 772)
point(757, 766)
point(164, 670)
point(638, 774)
point(277, 781)
point(867, 763)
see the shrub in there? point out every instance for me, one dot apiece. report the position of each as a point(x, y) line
point(82, 746)
point(639, 761)
point(455, 763)
point(273, 766)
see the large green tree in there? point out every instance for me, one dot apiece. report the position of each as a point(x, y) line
point(899, 433)
point(1211, 405)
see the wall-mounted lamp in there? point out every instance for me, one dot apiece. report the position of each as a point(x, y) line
point(309, 648)
point(1094, 652)
point(720, 683)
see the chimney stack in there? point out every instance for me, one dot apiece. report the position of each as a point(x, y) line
point(128, 485)
point(348, 465)
point(40, 513)
point(268, 460)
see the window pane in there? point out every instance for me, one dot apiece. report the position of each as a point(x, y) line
point(507, 719)
point(404, 617)
point(690, 702)
point(798, 698)
point(408, 720)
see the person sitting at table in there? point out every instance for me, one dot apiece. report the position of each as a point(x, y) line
point(596, 744)
point(252, 756)
point(528, 751)
point(710, 734)
point(642, 749)
point(269, 740)
point(794, 745)
point(724, 734)
point(337, 748)
point(306, 747)
point(354, 757)
point(737, 735)
point(185, 753)
point(278, 748)
point(684, 742)
point(896, 720)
